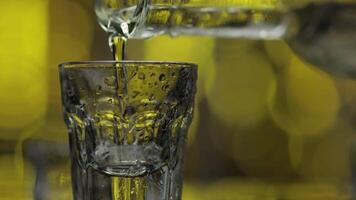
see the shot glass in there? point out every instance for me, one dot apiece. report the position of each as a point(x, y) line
point(127, 124)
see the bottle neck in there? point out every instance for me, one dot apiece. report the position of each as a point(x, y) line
point(121, 17)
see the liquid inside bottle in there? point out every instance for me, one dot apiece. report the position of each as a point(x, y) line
point(226, 18)
point(315, 29)
point(260, 19)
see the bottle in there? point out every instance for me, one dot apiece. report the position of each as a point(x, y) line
point(226, 18)
point(316, 29)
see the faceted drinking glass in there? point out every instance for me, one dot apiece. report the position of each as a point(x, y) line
point(127, 124)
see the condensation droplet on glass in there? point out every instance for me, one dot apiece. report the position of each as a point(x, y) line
point(70, 76)
point(162, 77)
point(141, 76)
point(110, 100)
point(165, 87)
point(70, 92)
point(129, 110)
point(135, 94)
point(98, 89)
point(110, 80)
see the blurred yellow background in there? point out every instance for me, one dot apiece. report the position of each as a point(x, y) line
point(267, 125)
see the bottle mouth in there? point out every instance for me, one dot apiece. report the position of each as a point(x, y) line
point(138, 19)
point(121, 20)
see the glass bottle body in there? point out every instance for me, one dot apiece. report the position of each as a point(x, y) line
point(261, 19)
point(224, 18)
point(315, 29)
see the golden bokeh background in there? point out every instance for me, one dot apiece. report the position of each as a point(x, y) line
point(267, 125)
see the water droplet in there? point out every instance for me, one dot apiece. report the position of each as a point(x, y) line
point(129, 110)
point(70, 76)
point(98, 89)
point(135, 94)
point(141, 76)
point(70, 92)
point(110, 80)
point(81, 89)
point(165, 87)
point(110, 100)
point(162, 77)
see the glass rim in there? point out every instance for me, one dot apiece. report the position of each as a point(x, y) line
point(95, 64)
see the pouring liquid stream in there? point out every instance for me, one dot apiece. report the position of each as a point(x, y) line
point(118, 47)
point(125, 188)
